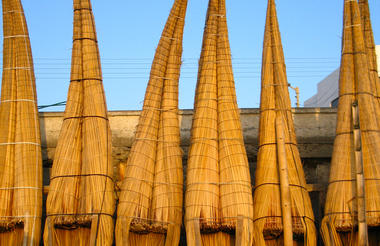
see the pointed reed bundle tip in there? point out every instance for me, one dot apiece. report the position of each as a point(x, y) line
point(268, 197)
point(218, 190)
point(81, 199)
point(150, 202)
point(344, 205)
point(20, 150)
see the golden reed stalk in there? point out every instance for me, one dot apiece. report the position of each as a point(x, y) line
point(339, 225)
point(218, 192)
point(150, 202)
point(370, 46)
point(81, 200)
point(275, 105)
point(20, 149)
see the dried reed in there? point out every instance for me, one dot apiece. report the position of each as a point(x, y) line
point(20, 149)
point(339, 226)
point(150, 202)
point(81, 201)
point(275, 105)
point(218, 191)
point(370, 46)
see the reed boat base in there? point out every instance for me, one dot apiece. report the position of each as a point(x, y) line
point(278, 236)
point(280, 242)
point(219, 238)
point(78, 236)
point(351, 237)
point(147, 239)
point(13, 237)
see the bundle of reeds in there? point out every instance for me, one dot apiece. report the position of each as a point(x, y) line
point(353, 196)
point(20, 149)
point(150, 202)
point(283, 213)
point(218, 191)
point(80, 203)
point(370, 46)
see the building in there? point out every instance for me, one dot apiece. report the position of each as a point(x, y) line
point(328, 89)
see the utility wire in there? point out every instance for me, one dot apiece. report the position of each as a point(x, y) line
point(52, 105)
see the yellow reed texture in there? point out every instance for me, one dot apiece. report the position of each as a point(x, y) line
point(339, 226)
point(20, 150)
point(81, 199)
point(218, 190)
point(275, 102)
point(150, 202)
point(369, 43)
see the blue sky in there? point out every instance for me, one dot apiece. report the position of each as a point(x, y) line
point(129, 31)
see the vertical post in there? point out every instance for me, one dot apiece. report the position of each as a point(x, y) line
point(25, 231)
point(124, 231)
point(297, 90)
point(298, 96)
point(331, 232)
point(197, 233)
point(50, 231)
point(360, 186)
point(94, 230)
point(284, 183)
point(239, 231)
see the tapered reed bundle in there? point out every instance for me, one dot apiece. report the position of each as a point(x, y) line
point(218, 191)
point(20, 149)
point(370, 46)
point(339, 226)
point(150, 202)
point(275, 105)
point(81, 200)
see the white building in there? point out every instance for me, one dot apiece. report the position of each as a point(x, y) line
point(328, 88)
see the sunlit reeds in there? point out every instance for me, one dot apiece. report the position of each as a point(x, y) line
point(150, 202)
point(218, 208)
point(81, 201)
point(343, 206)
point(278, 155)
point(20, 149)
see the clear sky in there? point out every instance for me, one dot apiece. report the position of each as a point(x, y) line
point(129, 31)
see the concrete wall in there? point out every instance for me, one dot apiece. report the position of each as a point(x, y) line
point(315, 129)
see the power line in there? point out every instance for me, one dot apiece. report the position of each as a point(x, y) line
point(52, 105)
